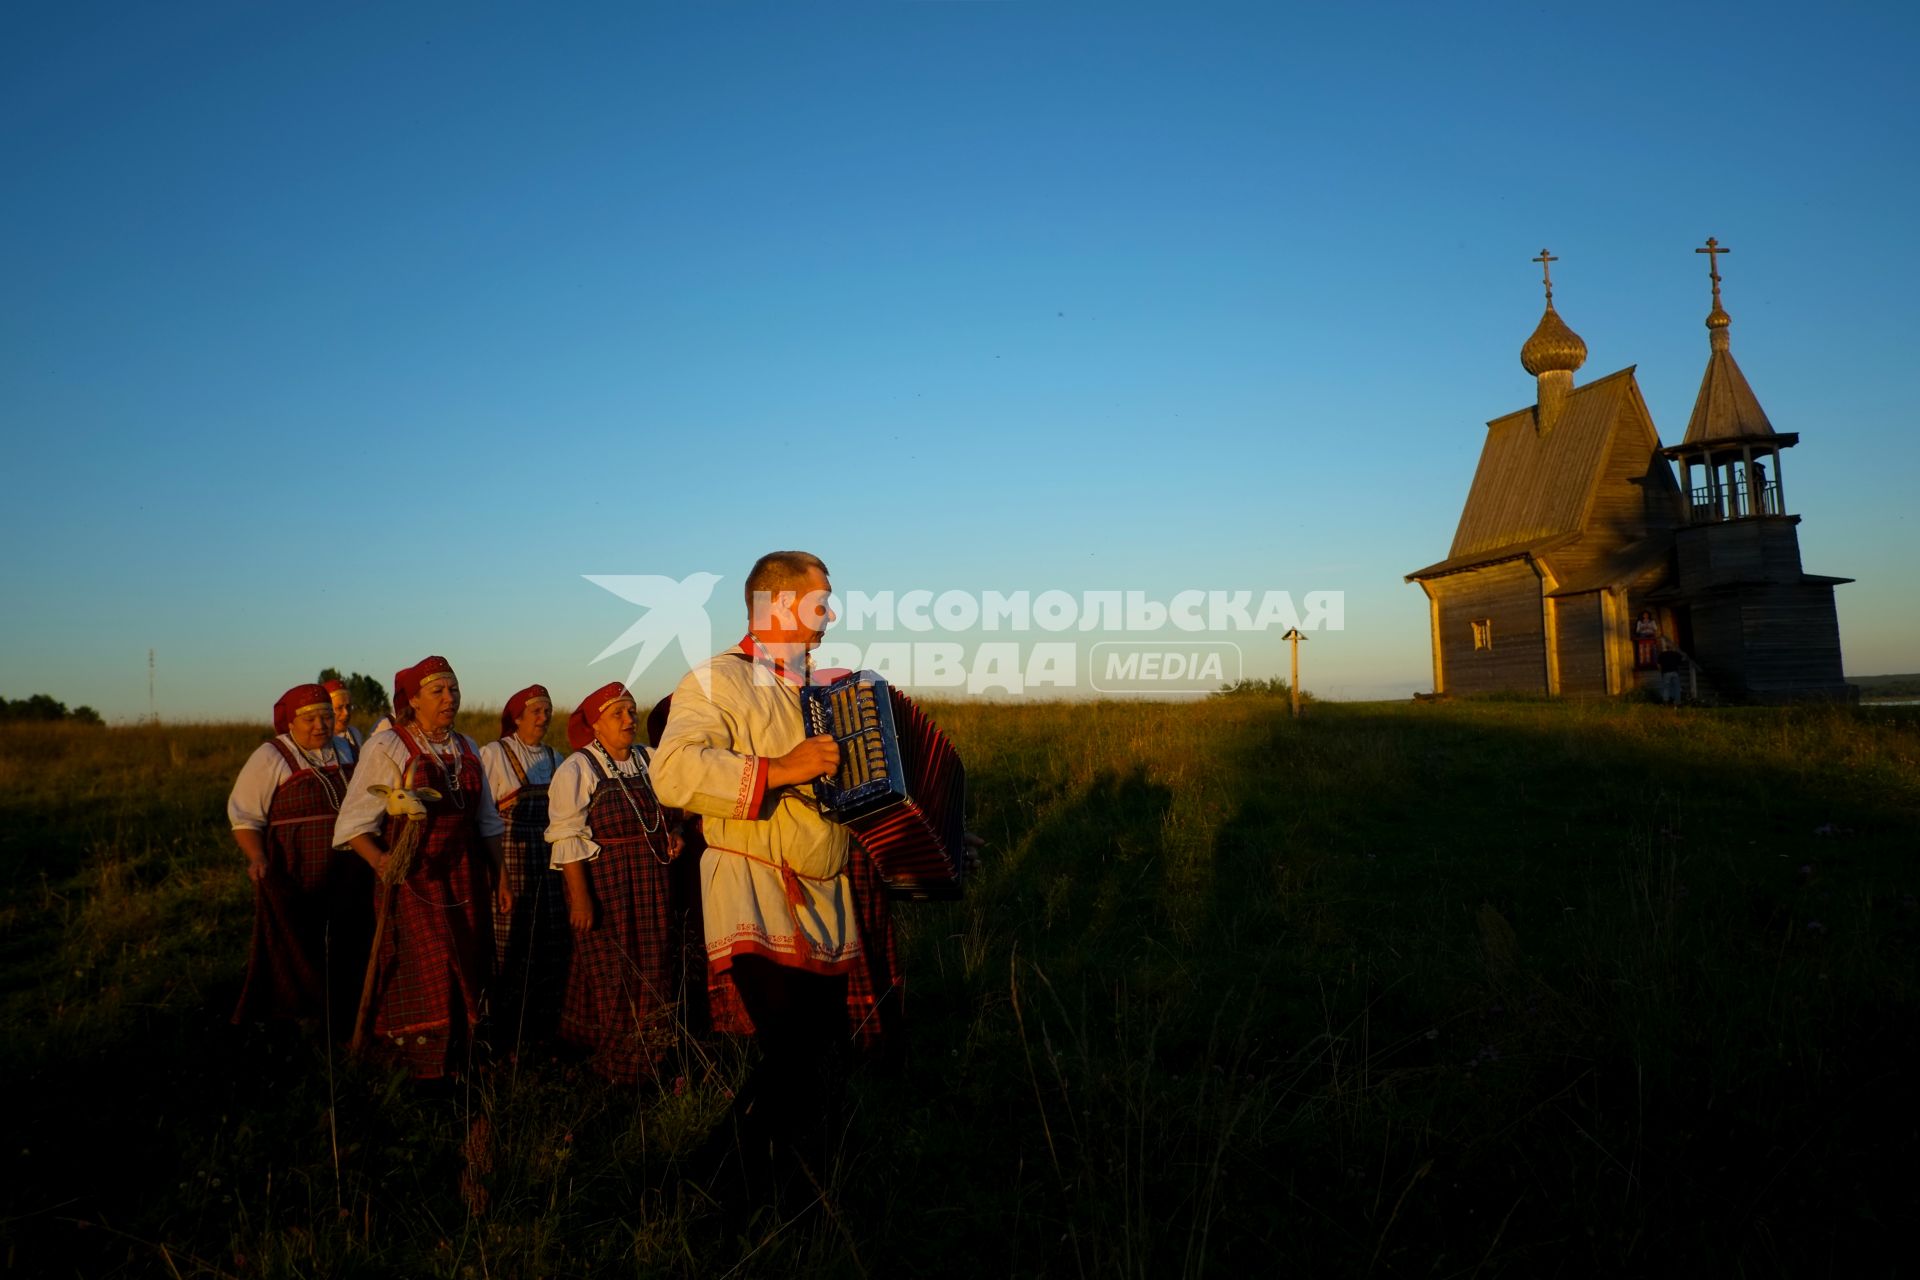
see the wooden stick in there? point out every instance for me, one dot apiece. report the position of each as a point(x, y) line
point(399, 862)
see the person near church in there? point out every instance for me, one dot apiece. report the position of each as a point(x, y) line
point(435, 956)
point(529, 942)
point(1646, 641)
point(1673, 665)
point(613, 841)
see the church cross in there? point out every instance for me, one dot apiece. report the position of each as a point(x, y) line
point(1713, 252)
point(1546, 272)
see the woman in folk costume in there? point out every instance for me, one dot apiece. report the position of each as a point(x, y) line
point(614, 841)
point(436, 953)
point(529, 942)
point(282, 809)
point(351, 739)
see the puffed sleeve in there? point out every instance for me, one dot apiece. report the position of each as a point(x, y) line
point(695, 766)
point(362, 813)
point(487, 819)
point(252, 793)
point(500, 776)
point(569, 796)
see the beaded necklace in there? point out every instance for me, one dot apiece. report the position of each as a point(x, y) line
point(619, 780)
point(450, 771)
point(319, 767)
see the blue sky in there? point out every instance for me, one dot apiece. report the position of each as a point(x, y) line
point(340, 335)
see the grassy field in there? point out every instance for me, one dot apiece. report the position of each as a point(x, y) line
point(1471, 989)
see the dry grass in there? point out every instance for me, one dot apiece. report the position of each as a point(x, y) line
point(1476, 989)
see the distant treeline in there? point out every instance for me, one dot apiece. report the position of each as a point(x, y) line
point(369, 695)
point(41, 707)
point(1907, 686)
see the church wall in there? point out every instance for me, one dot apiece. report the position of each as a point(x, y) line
point(1738, 551)
point(1792, 639)
point(1507, 596)
point(1771, 641)
point(1720, 642)
point(1581, 631)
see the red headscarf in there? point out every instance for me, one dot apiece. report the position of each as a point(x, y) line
point(333, 686)
point(517, 706)
point(407, 682)
point(302, 697)
point(580, 723)
point(401, 711)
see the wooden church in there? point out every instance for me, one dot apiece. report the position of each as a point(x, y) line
point(1579, 556)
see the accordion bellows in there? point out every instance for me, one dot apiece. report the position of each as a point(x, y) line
point(900, 789)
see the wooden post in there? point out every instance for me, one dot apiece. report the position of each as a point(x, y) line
point(1293, 638)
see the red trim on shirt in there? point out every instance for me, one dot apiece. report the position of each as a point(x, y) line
point(791, 957)
point(753, 788)
point(752, 648)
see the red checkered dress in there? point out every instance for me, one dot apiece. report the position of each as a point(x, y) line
point(287, 966)
point(623, 983)
point(876, 985)
point(435, 958)
point(531, 943)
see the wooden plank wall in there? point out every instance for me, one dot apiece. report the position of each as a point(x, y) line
point(1581, 627)
point(1719, 643)
point(1509, 596)
point(1771, 641)
point(1792, 639)
point(1738, 551)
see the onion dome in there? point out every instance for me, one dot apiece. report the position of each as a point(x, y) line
point(1553, 347)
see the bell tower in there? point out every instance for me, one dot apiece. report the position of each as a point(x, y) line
point(1762, 629)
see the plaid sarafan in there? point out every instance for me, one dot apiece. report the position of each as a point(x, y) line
point(287, 965)
point(530, 943)
point(438, 949)
point(624, 980)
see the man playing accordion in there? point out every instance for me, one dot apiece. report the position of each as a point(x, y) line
point(783, 932)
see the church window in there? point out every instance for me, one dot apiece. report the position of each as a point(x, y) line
point(1482, 633)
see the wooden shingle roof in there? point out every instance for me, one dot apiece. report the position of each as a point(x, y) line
point(1726, 408)
point(1531, 485)
point(1480, 559)
point(1620, 565)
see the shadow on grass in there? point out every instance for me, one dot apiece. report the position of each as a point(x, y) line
point(1507, 989)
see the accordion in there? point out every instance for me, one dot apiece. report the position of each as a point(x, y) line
point(900, 788)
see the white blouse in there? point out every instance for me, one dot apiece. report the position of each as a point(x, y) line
point(261, 776)
point(570, 796)
point(539, 763)
point(383, 761)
